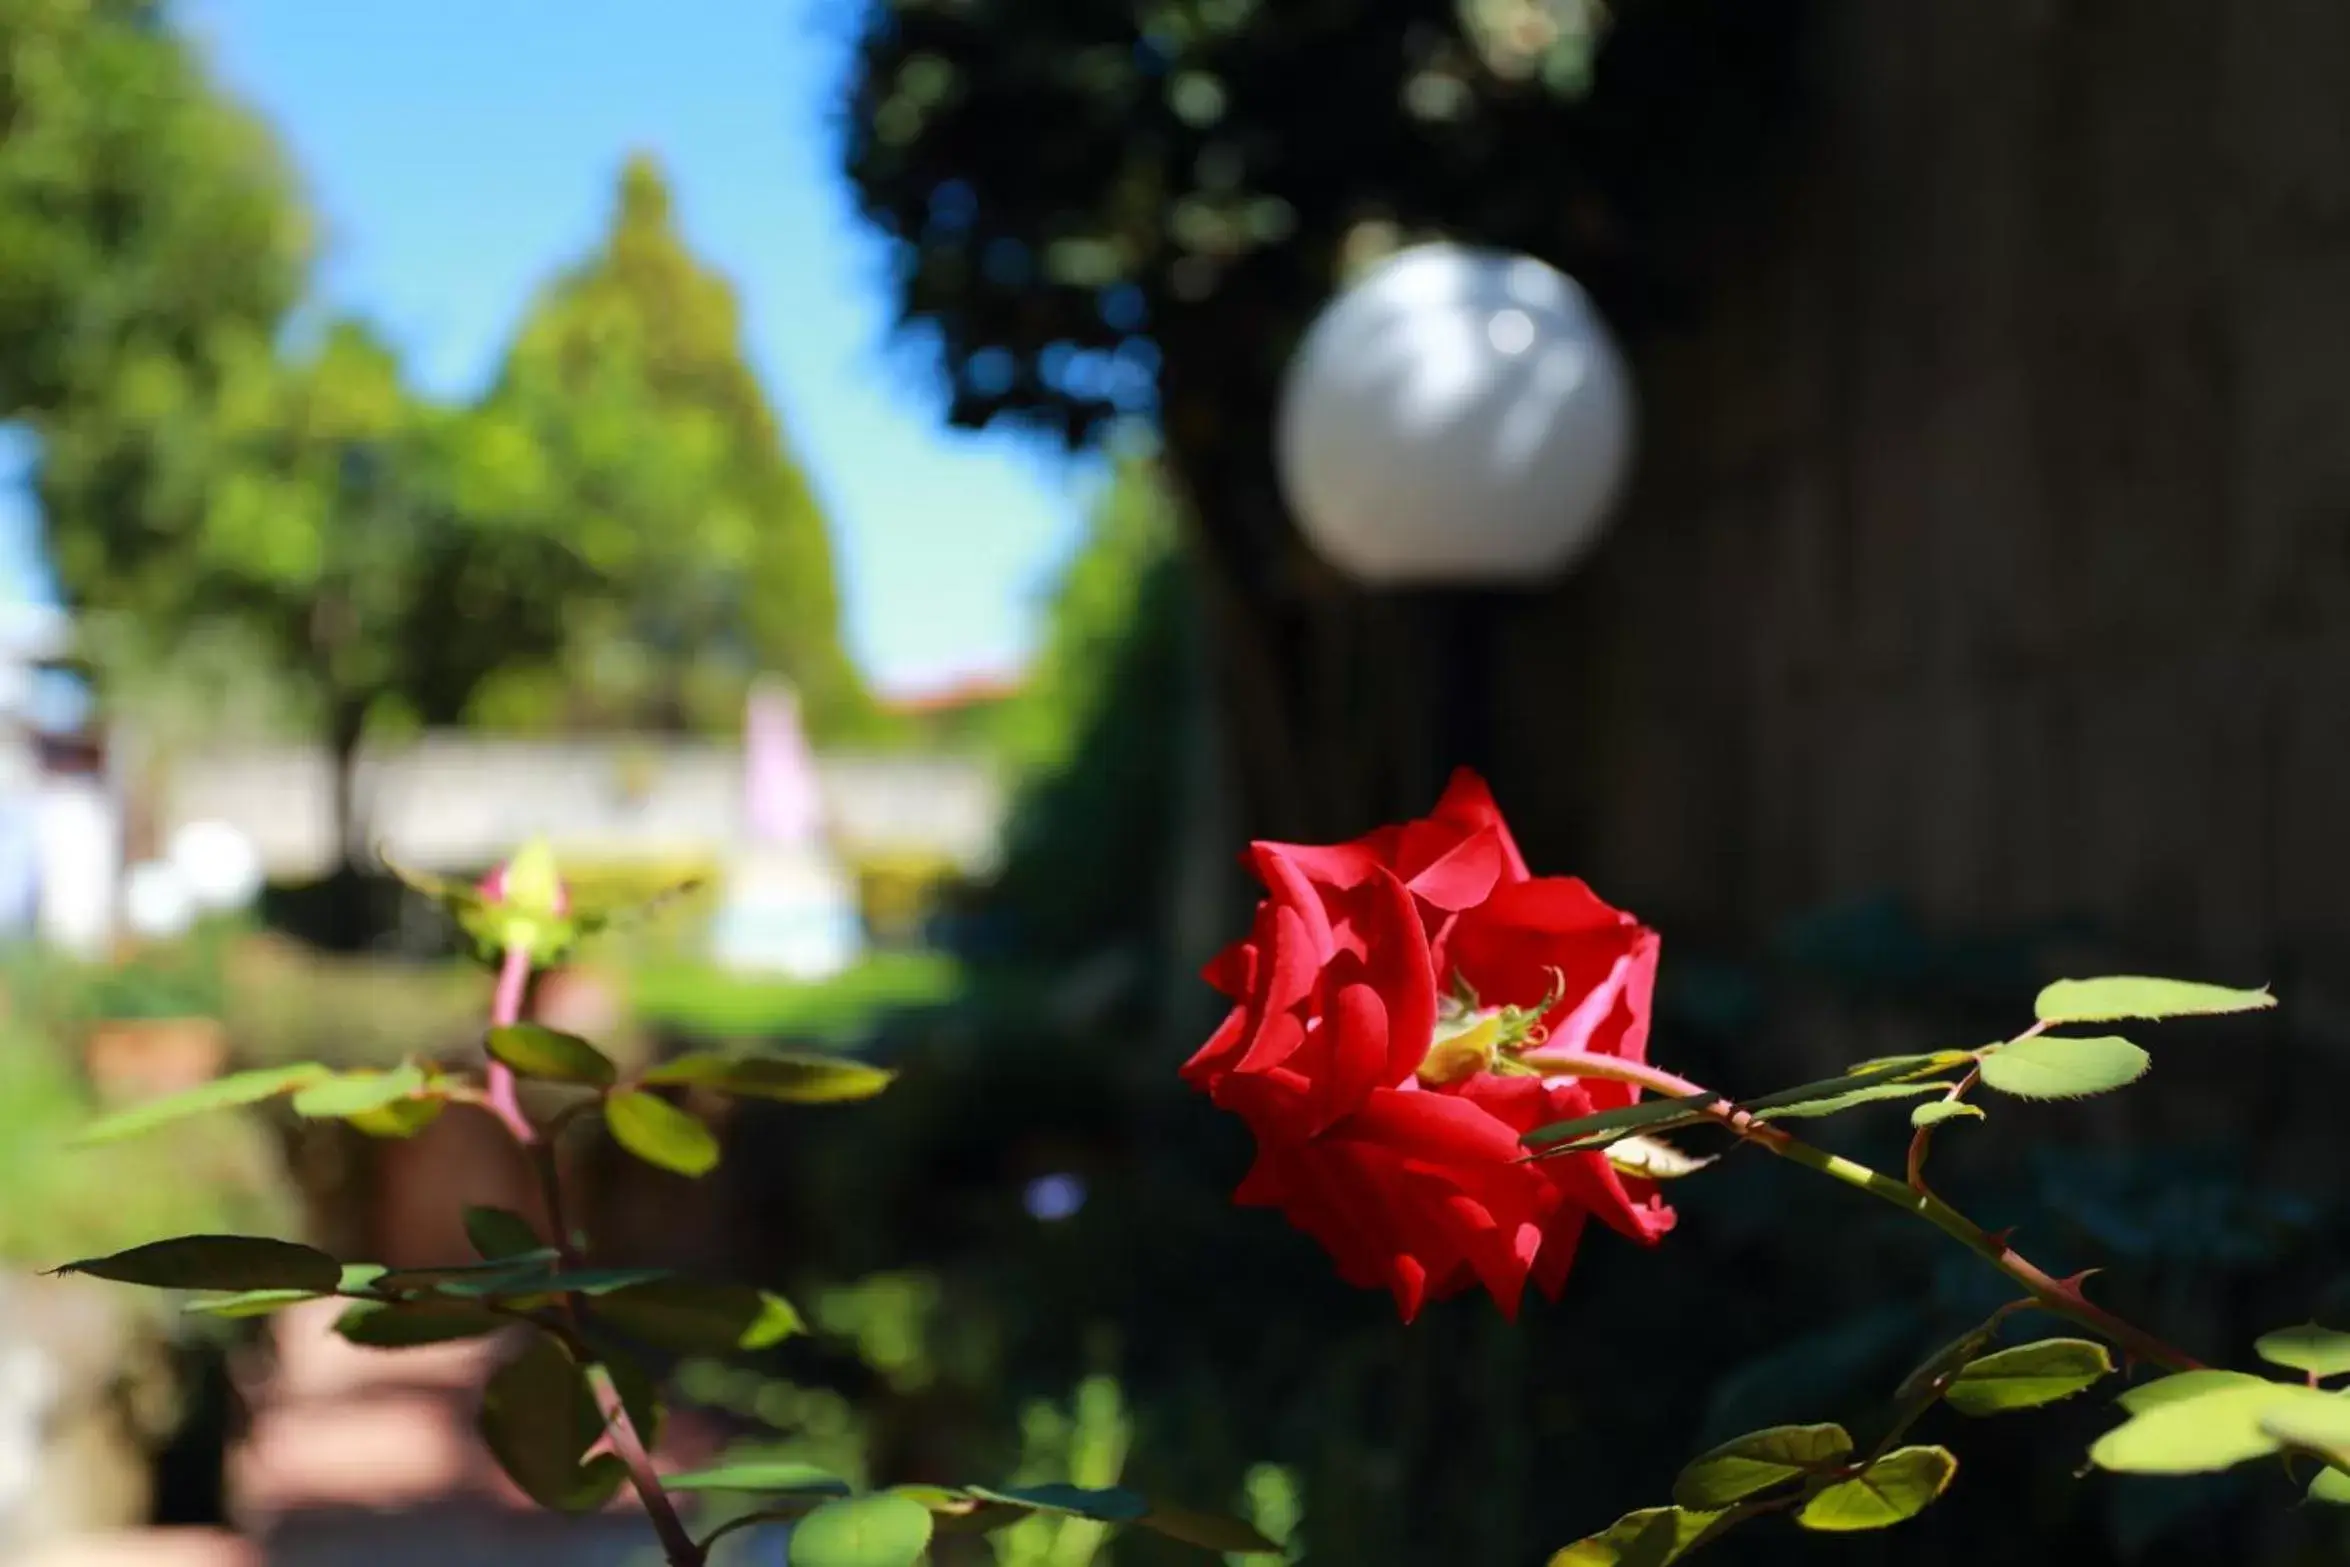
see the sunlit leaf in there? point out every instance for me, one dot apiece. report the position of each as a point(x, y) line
point(2320, 1351)
point(1933, 1060)
point(659, 1133)
point(2044, 1067)
point(1650, 1537)
point(229, 1263)
point(2121, 996)
point(1887, 1070)
point(882, 1530)
point(2027, 1376)
point(551, 1055)
point(1850, 1099)
point(1944, 1110)
point(223, 1093)
point(2317, 1425)
point(1899, 1485)
point(2332, 1487)
point(754, 1477)
point(250, 1303)
point(357, 1093)
point(2209, 1425)
point(791, 1079)
point(2183, 1385)
point(1756, 1462)
point(401, 1118)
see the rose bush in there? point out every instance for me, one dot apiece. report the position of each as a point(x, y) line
point(1381, 1002)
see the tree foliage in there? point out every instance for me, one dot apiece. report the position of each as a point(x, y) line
point(1099, 208)
point(668, 469)
point(1093, 737)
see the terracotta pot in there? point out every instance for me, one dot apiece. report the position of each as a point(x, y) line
point(145, 1058)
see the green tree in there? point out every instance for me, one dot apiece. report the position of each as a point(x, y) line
point(143, 213)
point(386, 556)
point(669, 471)
point(1109, 208)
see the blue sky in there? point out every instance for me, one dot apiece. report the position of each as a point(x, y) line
point(460, 150)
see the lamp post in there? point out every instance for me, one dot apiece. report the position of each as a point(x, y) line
point(1455, 422)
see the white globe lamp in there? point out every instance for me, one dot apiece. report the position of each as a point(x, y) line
point(1456, 417)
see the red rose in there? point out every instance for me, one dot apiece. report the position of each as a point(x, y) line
point(1387, 1121)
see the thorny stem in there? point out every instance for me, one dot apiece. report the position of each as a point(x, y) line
point(2063, 1297)
point(505, 1103)
point(1922, 1140)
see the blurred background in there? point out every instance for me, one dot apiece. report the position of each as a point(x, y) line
point(837, 451)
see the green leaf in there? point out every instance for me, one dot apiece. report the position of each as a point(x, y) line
point(357, 1093)
point(2044, 1067)
point(2122, 996)
point(222, 1093)
point(1851, 1098)
point(551, 1056)
point(2332, 1487)
point(1902, 1484)
point(1933, 1060)
point(405, 1325)
point(1650, 1537)
point(501, 1234)
point(659, 1133)
point(1887, 1069)
point(539, 1418)
point(758, 1477)
point(1109, 1505)
point(881, 1530)
point(791, 1079)
point(1943, 1110)
point(2183, 1385)
point(405, 1280)
point(2027, 1376)
point(695, 1317)
point(250, 1303)
point(2317, 1425)
point(2319, 1351)
point(1208, 1531)
point(217, 1262)
point(1608, 1126)
point(2215, 1422)
point(401, 1118)
point(1756, 1462)
point(534, 1281)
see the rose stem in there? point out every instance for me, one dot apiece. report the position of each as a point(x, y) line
point(2060, 1296)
